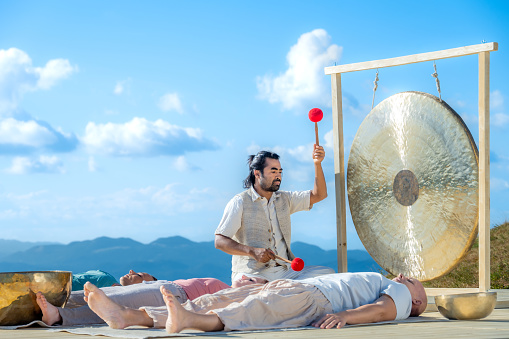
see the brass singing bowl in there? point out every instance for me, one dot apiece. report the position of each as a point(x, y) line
point(467, 306)
point(18, 290)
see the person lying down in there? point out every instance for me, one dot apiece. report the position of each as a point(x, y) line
point(133, 295)
point(328, 301)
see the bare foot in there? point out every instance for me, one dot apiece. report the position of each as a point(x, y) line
point(50, 313)
point(179, 318)
point(176, 313)
point(104, 307)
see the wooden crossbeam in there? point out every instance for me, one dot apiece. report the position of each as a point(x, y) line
point(412, 59)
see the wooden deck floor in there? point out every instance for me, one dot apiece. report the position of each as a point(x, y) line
point(494, 326)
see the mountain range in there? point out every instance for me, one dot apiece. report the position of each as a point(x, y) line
point(165, 258)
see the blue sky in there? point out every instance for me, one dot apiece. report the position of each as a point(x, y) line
point(135, 119)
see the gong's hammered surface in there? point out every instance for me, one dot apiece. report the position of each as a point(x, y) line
point(413, 185)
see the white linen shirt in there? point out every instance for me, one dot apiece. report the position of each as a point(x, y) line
point(232, 216)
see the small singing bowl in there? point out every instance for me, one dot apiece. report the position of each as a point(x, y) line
point(467, 306)
point(18, 290)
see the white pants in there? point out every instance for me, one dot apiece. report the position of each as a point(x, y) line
point(77, 312)
point(278, 304)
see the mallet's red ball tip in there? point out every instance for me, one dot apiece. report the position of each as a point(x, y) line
point(297, 264)
point(315, 114)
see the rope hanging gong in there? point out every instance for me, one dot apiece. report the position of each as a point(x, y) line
point(435, 75)
point(375, 83)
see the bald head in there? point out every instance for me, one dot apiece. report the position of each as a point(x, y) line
point(419, 307)
point(418, 293)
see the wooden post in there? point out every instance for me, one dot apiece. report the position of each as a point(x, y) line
point(484, 171)
point(339, 170)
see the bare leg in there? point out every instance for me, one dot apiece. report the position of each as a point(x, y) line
point(50, 313)
point(115, 315)
point(180, 319)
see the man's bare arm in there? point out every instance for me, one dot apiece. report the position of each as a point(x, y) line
point(319, 191)
point(383, 309)
point(233, 247)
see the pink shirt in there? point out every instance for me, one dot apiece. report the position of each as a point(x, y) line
point(199, 286)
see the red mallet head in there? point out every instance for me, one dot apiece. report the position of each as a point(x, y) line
point(297, 264)
point(315, 114)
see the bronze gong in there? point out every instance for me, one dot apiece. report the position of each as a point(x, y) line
point(413, 185)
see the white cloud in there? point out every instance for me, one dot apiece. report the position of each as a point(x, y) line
point(92, 165)
point(151, 201)
point(497, 104)
point(304, 80)
point(255, 148)
point(25, 133)
point(111, 112)
point(496, 100)
point(53, 71)
point(500, 119)
point(182, 165)
point(302, 153)
point(469, 119)
point(18, 76)
point(171, 102)
point(126, 211)
point(121, 86)
point(497, 184)
point(18, 136)
point(19, 133)
point(140, 137)
point(461, 103)
point(329, 140)
point(44, 164)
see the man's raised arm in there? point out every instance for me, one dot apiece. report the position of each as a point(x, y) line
point(232, 247)
point(383, 309)
point(319, 191)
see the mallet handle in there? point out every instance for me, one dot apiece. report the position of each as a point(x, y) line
point(316, 133)
point(281, 258)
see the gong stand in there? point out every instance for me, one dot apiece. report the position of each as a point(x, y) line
point(483, 51)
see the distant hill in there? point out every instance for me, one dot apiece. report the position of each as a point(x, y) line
point(11, 246)
point(466, 274)
point(166, 258)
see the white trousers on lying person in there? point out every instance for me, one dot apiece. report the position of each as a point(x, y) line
point(277, 304)
point(285, 272)
point(77, 312)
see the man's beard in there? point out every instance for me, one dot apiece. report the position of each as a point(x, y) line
point(274, 187)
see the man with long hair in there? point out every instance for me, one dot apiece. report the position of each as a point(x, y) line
point(256, 223)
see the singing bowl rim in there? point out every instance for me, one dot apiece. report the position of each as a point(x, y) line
point(24, 272)
point(19, 291)
point(483, 304)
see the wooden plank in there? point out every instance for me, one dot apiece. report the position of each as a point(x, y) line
point(339, 170)
point(496, 325)
point(415, 58)
point(484, 171)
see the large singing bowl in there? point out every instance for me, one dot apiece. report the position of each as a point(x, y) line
point(466, 306)
point(17, 294)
